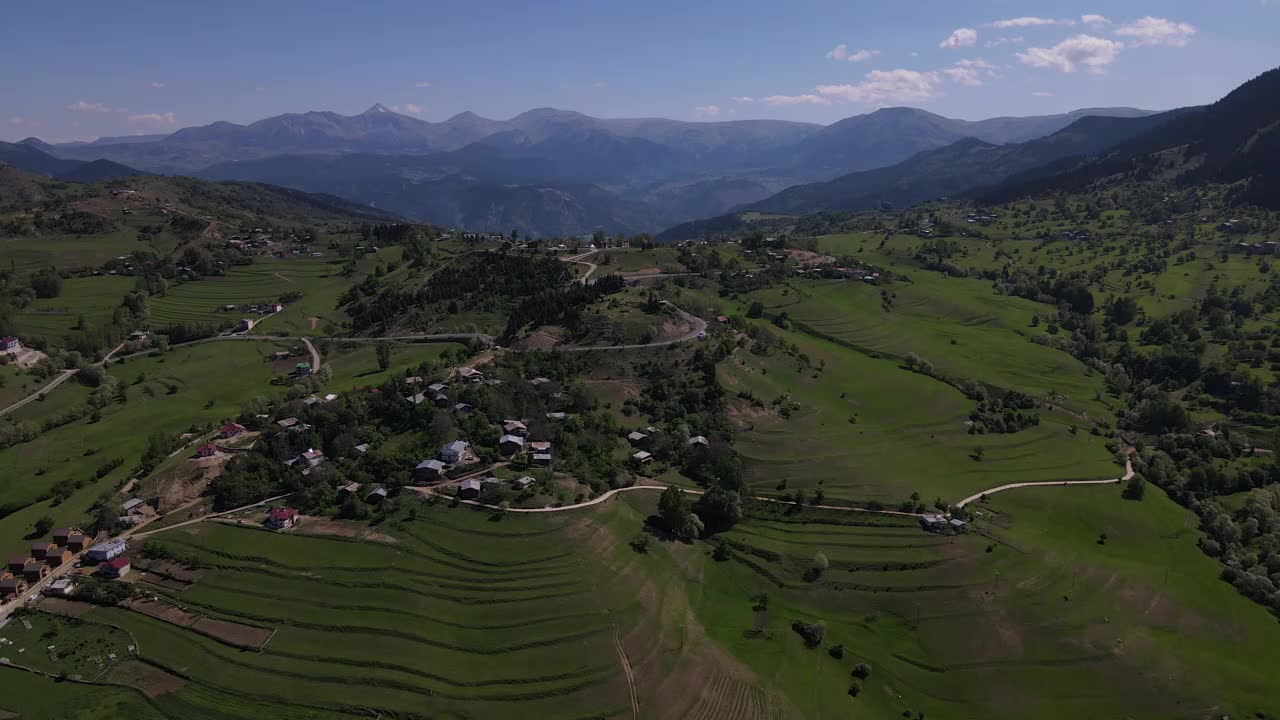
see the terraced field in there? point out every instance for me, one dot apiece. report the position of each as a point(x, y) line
point(866, 429)
point(1046, 623)
point(461, 616)
point(265, 281)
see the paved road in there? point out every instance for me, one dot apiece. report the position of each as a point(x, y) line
point(1128, 473)
point(62, 377)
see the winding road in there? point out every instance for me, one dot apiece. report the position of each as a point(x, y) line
point(1128, 473)
point(63, 375)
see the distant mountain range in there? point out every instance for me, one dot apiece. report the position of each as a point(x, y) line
point(1236, 140)
point(1233, 142)
point(552, 172)
point(34, 155)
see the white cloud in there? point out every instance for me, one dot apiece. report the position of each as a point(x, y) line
point(881, 86)
point(706, 111)
point(157, 120)
point(915, 54)
point(1041, 93)
point(23, 122)
point(157, 85)
point(423, 84)
point(1157, 31)
point(970, 72)
point(742, 98)
point(1095, 20)
point(1006, 41)
point(1028, 22)
point(89, 107)
point(776, 100)
point(1094, 53)
point(962, 37)
point(409, 108)
point(841, 52)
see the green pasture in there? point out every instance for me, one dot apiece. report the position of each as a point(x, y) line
point(356, 365)
point(29, 695)
point(633, 260)
point(190, 386)
point(960, 326)
point(93, 299)
point(868, 429)
point(58, 645)
point(16, 383)
point(1046, 624)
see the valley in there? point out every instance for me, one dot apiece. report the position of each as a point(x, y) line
point(563, 416)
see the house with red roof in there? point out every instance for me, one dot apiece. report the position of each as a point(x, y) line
point(230, 430)
point(207, 450)
point(281, 518)
point(115, 568)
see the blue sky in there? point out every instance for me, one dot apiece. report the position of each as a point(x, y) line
point(80, 69)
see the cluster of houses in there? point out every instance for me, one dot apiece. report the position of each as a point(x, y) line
point(642, 441)
point(261, 309)
point(1262, 248)
point(1079, 235)
point(836, 272)
point(983, 218)
point(471, 489)
point(942, 524)
point(45, 556)
point(438, 393)
point(42, 558)
point(260, 241)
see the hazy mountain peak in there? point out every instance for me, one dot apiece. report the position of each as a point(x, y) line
point(464, 116)
point(377, 108)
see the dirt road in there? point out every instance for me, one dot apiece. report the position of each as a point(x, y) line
point(1128, 473)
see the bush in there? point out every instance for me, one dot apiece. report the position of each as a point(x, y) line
point(855, 688)
point(812, 633)
point(862, 671)
point(836, 651)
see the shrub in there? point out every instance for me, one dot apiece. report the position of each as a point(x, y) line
point(813, 633)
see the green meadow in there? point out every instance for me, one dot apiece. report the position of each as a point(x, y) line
point(865, 428)
point(91, 299)
point(1046, 624)
point(356, 365)
point(188, 387)
point(959, 325)
point(265, 281)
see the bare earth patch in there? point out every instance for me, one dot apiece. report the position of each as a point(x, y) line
point(65, 608)
point(148, 678)
point(340, 528)
point(544, 338)
point(231, 633)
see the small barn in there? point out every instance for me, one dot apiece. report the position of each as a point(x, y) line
point(428, 470)
point(510, 444)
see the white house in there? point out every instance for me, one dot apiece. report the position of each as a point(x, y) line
point(452, 452)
